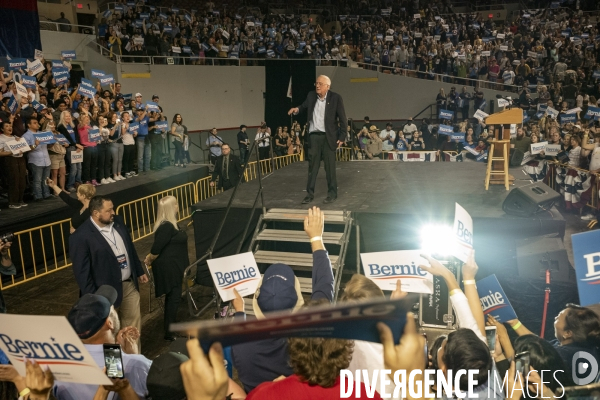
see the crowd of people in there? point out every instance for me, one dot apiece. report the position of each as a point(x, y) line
point(303, 368)
point(97, 140)
point(424, 39)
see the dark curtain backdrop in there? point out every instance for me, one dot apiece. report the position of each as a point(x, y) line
point(277, 104)
point(19, 28)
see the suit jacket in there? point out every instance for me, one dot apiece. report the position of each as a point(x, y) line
point(235, 170)
point(334, 110)
point(95, 263)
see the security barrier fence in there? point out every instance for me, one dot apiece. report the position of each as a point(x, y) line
point(44, 249)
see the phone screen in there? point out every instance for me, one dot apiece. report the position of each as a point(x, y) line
point(113, 361)
point(490, 335)
point(522, 363)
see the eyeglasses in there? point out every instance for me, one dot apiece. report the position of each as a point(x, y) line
point(317, 84)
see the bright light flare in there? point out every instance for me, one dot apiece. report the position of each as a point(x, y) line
point(438, 239)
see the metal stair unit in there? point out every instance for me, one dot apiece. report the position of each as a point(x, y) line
point(301, 261)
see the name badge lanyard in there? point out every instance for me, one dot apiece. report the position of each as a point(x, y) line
point(114, 243)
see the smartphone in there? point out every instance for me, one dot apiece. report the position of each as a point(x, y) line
point(522, 363)
point(113, 360)
point(586, 392)
point(490, 336)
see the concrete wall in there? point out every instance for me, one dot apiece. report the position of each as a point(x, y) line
point(54, 42)
point(205, 96)
point(391, 97)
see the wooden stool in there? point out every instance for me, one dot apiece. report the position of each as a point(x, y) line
point(504, 159)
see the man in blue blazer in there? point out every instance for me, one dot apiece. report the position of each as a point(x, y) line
point(327, 126)
point(103, 253)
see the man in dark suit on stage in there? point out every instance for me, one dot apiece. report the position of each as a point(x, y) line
point(327, 125)
point(103, 253)
point(228, 168)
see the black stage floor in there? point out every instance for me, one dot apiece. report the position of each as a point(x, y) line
point(145, 184)
point(391, 201)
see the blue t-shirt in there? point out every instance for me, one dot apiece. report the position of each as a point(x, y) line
point(143, 131)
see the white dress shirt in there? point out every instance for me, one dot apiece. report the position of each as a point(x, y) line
point(317, 124)
point(116, 243)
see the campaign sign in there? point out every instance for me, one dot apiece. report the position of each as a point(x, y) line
point(35, 67)
point(480, 115)
point(59, 72)
point(18, 146)
point(37, 106)
point(446, 114)
point(239, 271)
point(463, 231)
point(61, 80)
point(486, 53)
point(38, 55)
point(386, 267)
point(457, 136)
point(60, 138)
point(107, 79)
point(97, 73)
point(45, 137)
point(133, 127)
point(28, 81)
point(152, 106)
point(503, 103)
point(56, 346)
point(68, 54)
point(552, 112)
point(566, 118)
point(537, 148)
point(86, 91)
point(86, 82)
point(76, 157)
point(553, 149)
point(445, 130)
point(542, 107)
point(57, 64)
point(17, 63)
point(161, 126)
point(12, 104)
point(471, 150)
point(94, 135)
point(21, 91)
point(592, 112)
point(596, 75)
point(493, 299)
point(586, 252)
point(353, 321)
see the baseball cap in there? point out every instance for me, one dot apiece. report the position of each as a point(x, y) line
point(91, 310)
point(278, 290)
point(164, 379)
point(138, 95)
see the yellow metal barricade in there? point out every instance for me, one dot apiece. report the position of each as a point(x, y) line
point(343, 154)
point(139, 215)
point(37, 252)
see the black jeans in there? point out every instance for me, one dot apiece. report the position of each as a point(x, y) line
point(90, 163)
point(156, 150)
point(320, 150)
point(172, 300)
point(264, 152)
point(104, 160)
point(128, 158)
